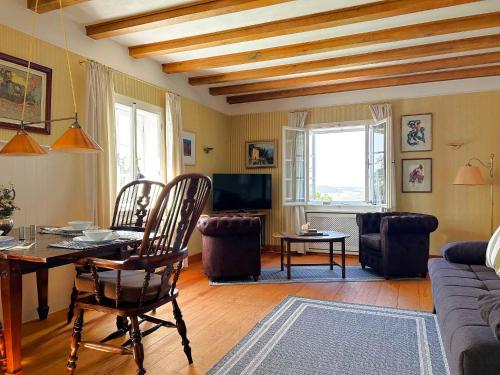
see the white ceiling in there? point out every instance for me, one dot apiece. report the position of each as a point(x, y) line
point(96, 11)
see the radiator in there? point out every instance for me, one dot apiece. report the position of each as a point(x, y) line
point(338, 221)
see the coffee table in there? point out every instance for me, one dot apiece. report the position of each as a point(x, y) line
point(328, 236)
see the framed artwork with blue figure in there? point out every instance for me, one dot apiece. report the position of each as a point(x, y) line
point(416, 132)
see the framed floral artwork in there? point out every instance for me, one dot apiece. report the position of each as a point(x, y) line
point(416, 132)
point(12, 85)
point(416, 175)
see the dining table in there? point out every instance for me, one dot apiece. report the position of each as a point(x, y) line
point(39, 258)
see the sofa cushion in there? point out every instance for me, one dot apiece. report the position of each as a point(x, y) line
point(467, 252)
point(372, 240)
point(489, 308)
point(131, 283)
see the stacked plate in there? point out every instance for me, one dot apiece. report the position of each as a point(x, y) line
point(6, 242)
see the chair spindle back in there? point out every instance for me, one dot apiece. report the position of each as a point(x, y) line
point(134, 204)
point(175, 215)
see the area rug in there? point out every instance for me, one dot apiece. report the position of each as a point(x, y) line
point(312, 274)
point(307, 336)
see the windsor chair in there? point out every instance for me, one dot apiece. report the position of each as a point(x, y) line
point(132, 209)
point(131, 288)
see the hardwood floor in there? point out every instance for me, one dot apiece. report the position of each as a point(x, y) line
point(216, 317)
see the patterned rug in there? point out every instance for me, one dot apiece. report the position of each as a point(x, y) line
point(312, 274)
point(304, 336)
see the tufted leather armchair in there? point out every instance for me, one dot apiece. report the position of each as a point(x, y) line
point(231, 246)
point(395, 243)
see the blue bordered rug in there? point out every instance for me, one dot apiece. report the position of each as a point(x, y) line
point(309, 274)
point(303, 336)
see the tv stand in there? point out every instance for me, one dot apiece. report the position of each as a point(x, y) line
point(260, 214)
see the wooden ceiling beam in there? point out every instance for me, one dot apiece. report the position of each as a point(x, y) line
point(367, 73)
point(49, 5)
point(170, 16)
point(476, 72)
point(316, 21)
point(428, 29)
point(440, 48)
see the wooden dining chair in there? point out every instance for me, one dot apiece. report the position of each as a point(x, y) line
point(131, 288)
point(132, 209)
point(3, 361)
point(134, 203)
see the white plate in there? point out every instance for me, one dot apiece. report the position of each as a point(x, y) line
point(6, 238)
point(113, 237)
point(73, 230)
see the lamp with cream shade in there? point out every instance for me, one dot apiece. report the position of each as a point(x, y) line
point(471, 175)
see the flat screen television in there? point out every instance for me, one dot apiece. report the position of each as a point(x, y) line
point(242, 192)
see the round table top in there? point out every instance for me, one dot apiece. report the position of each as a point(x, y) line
point(327, 236)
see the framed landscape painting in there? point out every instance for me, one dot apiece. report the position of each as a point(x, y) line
point(416, 132)
point(416, 175)
point(260, 154)
point(189, 147)
point(12, 85)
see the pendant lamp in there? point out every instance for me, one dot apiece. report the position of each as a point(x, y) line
point(75, 139)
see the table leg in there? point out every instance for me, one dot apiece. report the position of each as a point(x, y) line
point(288, 260)
point(331, 255)
point(12, 298)
point(42, 286)
point(282, 251)
point(343, 258)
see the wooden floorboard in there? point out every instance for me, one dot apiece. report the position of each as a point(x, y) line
point(217, 317)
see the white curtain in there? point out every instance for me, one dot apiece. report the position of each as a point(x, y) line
point(173, 141)
point(100, 124)
point(295, 215)
point(384, 112)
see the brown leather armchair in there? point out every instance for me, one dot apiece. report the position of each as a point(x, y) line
point(231, 246)
point(395, 243)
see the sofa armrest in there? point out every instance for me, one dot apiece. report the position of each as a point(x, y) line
point(419, 224)
point(465, 252)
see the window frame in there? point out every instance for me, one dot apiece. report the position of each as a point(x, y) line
point(135, 105)
point(309, 165)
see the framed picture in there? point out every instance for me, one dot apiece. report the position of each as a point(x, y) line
point(416, 175)
point(416, 132)
point(260, 154)
point(39, 90)
point(189, 147)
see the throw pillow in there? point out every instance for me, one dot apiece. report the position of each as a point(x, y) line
point(493, 251)
point(489, 308)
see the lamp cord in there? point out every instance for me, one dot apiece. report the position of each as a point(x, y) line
point(63, 28)
point(30, 55)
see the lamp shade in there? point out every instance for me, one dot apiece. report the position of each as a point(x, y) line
point(469, 175)
point(22, 144)
point(76, 140)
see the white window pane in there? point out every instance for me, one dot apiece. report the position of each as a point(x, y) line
point(377, 159)
point(294, 165)
point(124, 145)
point(339, 165)
point(148, 145)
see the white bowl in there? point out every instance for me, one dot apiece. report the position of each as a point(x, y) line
point(97, 234)
point(80, 225)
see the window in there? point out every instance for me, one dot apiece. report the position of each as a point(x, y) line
point(138, 141)
point(345, 164)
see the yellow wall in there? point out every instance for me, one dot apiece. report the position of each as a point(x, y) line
point(463, 212)
point(50, 188)
point(212, 130)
